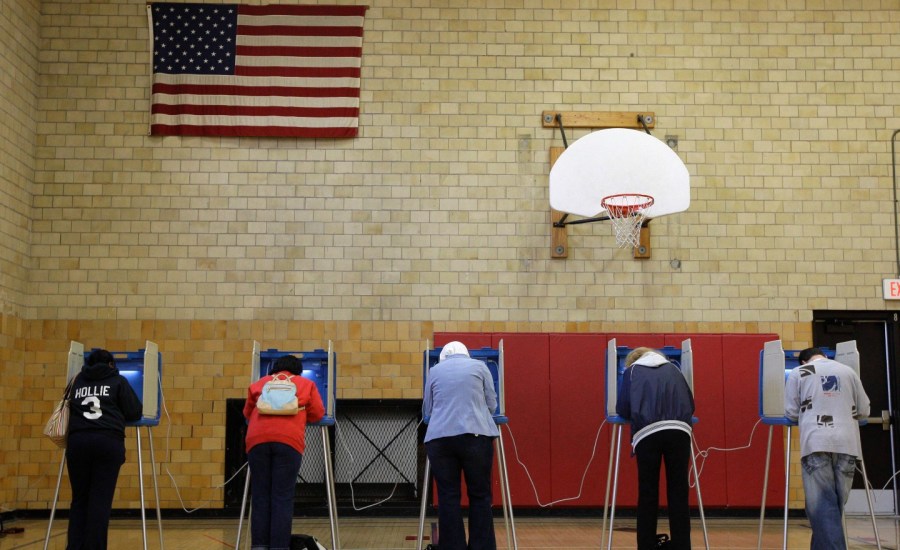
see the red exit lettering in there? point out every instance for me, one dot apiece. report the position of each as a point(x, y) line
point(891, 289)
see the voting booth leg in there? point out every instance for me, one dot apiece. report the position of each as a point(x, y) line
point(617, 435)
point(62, 464)
point(608, 482)
point(787, 485)
point(762, 507)
point(329, 488)
point(237, 544)
point(511, 541)
point(699, 496)
point(503, 500)
point(155, 488)
point(141, 485)
point(425, 484)
point(862, 464)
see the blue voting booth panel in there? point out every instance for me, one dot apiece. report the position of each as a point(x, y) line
point(671, 353)
point(315, 368)
point(131, 366)
point(489, 356)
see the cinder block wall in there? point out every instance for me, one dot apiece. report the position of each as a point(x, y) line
point(19, 58)
point(436, 217)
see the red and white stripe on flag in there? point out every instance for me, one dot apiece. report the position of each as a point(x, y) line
point(271, 70)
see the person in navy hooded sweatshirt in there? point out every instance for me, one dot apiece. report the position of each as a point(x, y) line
point(102, 402)
point(656, 397)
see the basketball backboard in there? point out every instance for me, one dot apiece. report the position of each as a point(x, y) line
point(616, 161)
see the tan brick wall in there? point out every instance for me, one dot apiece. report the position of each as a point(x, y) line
point(439, 209)
point(19, 39)
point(436, 217)
point(13, 430)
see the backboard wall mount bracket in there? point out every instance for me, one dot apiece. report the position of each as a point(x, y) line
point(559, 246)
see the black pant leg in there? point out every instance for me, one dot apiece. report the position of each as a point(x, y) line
point(677, 456)
point(95, 460)
point(649, 459)
point(477, 463)
point(447, 471)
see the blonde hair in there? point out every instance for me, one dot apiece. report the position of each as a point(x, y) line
point(636, 354)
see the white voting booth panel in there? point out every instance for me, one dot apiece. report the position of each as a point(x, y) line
point(772, 378)
point(142, 369)
point(846, 353)
point(75, 360)
point(615, 368)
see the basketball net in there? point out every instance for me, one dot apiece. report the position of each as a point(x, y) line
point(627, 212)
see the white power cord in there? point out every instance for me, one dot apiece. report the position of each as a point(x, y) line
point(531, 480)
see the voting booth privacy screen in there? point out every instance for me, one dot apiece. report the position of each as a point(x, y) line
point(615, 368)
point(315, 369)
point(142, 369)
point(775, 364)
point(491, 357)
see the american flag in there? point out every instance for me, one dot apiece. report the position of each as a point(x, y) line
point(272, 70)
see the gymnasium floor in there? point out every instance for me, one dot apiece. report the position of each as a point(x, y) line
point(399, 533)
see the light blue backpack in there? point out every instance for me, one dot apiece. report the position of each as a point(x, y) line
point(279, 396)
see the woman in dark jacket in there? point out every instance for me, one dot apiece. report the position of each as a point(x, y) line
point(655, 396)
point(102, 402)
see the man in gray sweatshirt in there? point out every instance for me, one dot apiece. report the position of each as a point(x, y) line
point(826, 399)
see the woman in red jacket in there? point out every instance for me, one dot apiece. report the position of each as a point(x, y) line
point(275, 445)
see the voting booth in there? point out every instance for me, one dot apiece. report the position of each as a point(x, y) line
point(614, 369)
point(493, 358)
point(319, 366)
point(775, 365)
point(143, 370)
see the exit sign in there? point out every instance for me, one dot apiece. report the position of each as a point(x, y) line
point(891, 289)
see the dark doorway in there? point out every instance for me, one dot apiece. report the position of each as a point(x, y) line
point(877, 340)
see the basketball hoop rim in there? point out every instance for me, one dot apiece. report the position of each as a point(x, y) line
point(634, 203)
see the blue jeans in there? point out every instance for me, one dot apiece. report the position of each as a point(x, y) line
point(827, 478)
point(273, 477)
point(473, 456)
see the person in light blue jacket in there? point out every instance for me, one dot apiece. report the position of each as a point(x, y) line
point(458, 403)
